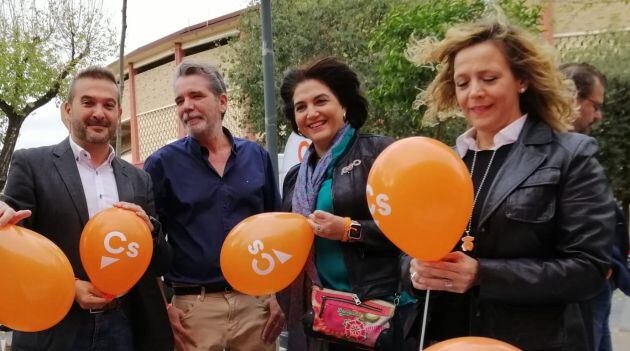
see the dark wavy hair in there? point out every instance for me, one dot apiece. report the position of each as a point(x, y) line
point(339, 78)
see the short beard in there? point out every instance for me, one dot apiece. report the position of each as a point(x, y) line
point(200, 133)
point(81, 133)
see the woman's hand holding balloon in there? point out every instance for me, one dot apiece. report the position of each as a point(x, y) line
point(327, 225)
point(456, 272)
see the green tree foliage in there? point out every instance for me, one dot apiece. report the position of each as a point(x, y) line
point(371, 36)
point(303, 30)
point(613, 135)
point(42, 42)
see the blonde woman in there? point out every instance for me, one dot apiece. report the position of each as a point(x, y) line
point(542, 222)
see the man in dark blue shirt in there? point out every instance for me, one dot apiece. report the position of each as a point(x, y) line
point(205, 184)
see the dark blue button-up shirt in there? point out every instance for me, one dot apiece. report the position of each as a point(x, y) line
point(198, 208)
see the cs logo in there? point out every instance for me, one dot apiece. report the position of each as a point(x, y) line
point(256, 247)
point(381, 205)
point(114, 244)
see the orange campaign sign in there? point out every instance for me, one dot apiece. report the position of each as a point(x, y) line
point(304, 144)
point(294, 151)
point(37, 285)
point(264, 253)
point(116, 247)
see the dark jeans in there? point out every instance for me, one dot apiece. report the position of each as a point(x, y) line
point(600, 309)
point(107, 331)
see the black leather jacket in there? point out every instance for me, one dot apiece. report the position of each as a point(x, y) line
point(543, 240)
point(373, 262)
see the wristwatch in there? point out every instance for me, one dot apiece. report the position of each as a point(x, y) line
point(355, 233)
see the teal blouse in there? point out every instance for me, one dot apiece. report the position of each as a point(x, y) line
point(328, 254)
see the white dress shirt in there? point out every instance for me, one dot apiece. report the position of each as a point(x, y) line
point(507, 135)
point(99, 183)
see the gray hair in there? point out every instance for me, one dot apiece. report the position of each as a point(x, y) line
point(210, 72)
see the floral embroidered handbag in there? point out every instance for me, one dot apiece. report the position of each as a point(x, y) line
point(340, 317)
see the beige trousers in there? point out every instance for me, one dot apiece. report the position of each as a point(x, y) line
point(225, 321)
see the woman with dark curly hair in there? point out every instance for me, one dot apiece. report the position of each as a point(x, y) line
point(323, 102)
point(542, 218)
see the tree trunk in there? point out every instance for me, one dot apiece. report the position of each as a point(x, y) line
point(8, 145)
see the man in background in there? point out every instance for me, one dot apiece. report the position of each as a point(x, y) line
point(590, 84)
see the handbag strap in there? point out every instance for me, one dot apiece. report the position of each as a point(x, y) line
point(311, 273)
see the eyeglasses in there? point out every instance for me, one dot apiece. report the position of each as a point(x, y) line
point(597, 106)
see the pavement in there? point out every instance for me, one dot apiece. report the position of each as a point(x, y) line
point(620, 321)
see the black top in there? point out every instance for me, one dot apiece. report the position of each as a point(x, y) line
point(453, 319)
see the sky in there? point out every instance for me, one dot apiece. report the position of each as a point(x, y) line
point(147, 21)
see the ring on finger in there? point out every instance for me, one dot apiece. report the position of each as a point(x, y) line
point(413, 274)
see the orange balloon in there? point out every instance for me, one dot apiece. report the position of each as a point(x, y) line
point(472, 343)
point(420, 194)
point(37, 285)
point(264, 253)
point(116, 247)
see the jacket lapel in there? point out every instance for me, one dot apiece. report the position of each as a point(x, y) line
point(66, 165)
point(522, 161)
point(125, 190)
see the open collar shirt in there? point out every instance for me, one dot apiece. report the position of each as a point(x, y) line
point(507, 135)
point(198, 207)
point(99, 183)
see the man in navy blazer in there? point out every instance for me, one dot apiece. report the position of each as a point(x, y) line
point(54, 190)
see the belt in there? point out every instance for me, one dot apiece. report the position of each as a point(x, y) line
point(201, 289)
point(112, 305)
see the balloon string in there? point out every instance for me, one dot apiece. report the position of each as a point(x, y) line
point(424, 319)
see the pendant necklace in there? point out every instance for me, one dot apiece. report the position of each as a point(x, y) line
point(467, 240)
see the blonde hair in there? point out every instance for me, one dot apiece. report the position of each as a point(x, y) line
point(547, 96)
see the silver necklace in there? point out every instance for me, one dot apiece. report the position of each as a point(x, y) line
point(467, 240)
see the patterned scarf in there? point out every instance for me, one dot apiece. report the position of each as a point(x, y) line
point(307, 186)
point(310, 179)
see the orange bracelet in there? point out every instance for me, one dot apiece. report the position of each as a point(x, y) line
point(346, 229)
